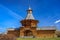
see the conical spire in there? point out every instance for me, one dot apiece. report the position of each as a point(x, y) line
point(29, 15)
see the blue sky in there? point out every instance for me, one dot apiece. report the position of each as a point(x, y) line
point(13, 11)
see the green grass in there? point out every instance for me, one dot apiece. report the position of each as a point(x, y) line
point(38, 38)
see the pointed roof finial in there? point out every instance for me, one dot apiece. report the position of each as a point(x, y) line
point(29, 5)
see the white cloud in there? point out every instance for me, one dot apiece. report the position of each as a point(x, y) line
point(57, 21)
point(13, 14)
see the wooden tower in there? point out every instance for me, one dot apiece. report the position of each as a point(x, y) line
point(28, 24)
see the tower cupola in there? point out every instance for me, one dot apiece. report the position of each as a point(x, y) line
point(29, 14)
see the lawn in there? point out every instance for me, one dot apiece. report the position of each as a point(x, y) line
point(38, 38)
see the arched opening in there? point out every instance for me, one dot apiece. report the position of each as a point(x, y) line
point(28, 33)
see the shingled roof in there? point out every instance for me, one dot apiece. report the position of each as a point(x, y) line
point(47, 28)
